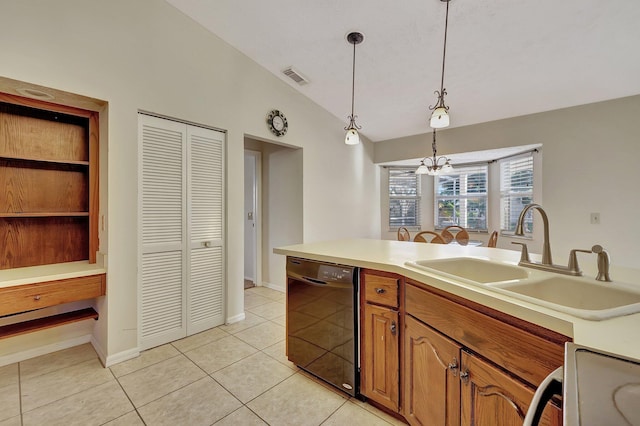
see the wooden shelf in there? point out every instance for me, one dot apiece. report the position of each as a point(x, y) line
point(44, 214)
point(48, 183)
point(17, 329)
point(45, 160)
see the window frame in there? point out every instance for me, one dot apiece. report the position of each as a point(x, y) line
point(417, 199)
point(511, 193)
point(466, 171)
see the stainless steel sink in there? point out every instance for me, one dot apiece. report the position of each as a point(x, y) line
point(472, 269)
point(581, 297)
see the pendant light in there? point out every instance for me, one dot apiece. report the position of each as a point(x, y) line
point(435, 168)
point(440, 114)
point(352, 137)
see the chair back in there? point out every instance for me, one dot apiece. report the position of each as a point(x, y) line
point(493, 239)
point(403, 234)
point(428, 237)
point(461, 237)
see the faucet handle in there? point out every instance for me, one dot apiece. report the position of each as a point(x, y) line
point(524, 255)
point(573, 260)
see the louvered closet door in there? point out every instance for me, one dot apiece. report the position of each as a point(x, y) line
point(181, 210)
point(162, 212)
point(205, 210)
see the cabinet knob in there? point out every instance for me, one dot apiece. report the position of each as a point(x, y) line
point(36, 297)
point(453, 366)
point(380, 290)
point(464, 376)
point(393, 328)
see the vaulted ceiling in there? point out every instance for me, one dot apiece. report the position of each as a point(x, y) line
point(505, 58)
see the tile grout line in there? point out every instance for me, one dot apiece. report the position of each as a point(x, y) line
point(20, 392)
point(128, 398)
point(66, 396)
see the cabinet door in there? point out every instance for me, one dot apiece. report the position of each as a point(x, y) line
point(491, 397)
point(380, 356)
point(431, 381)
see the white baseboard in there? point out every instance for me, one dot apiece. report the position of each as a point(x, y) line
point(121, 357)
point(108, 361)
point(43, 350)
point(235, 318)
point(99, 350)
point(274, 287)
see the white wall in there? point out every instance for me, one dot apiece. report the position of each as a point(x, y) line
point(590, 164)
point(282, 209)
point(145, 55)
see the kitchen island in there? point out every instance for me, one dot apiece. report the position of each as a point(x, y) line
point(616, 335)
point(491, 339)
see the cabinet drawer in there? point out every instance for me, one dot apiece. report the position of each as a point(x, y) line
point(522, 352)
point(381, 290)
point(35, 296)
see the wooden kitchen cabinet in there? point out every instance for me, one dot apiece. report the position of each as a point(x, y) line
point(380, 341)
point(490, 396)
point(499, 360)
point(431, 376)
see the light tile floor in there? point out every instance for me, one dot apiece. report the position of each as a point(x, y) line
point(232, 375)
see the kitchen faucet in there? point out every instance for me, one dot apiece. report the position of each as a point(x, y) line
point(547, 263)
point(546, 246)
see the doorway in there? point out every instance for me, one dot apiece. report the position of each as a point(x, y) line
point(277, 215)
point(252, 172)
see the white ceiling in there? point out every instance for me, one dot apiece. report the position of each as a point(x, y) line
point(505, 58)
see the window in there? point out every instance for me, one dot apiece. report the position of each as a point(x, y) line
point(516, 191)
point(404, 198)
point(461, 198)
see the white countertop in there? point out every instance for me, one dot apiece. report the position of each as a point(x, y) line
point(617, 335)
point(44, 273)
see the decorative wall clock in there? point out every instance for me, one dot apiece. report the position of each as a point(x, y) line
point(277, 123)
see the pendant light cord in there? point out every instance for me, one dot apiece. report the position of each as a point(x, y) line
point(444, 50)
point(353, 80)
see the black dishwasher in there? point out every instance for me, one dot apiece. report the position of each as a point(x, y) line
point(322, 321)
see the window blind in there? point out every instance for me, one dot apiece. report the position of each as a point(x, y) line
point(516, 191)
point(461, 198)
point(404, 198)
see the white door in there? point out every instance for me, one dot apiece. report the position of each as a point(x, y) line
point(181, 207)
point(250, 196)
point(205, 192)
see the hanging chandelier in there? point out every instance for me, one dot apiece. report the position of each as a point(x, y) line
point(440, 114)
point(352, 137)
point(434, 168)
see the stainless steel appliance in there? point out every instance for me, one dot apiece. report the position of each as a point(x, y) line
point(322, 323)
point(597, 388)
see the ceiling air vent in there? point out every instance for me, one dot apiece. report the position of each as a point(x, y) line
point(294, 75)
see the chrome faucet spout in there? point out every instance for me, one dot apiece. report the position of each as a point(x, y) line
point(546, 245)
